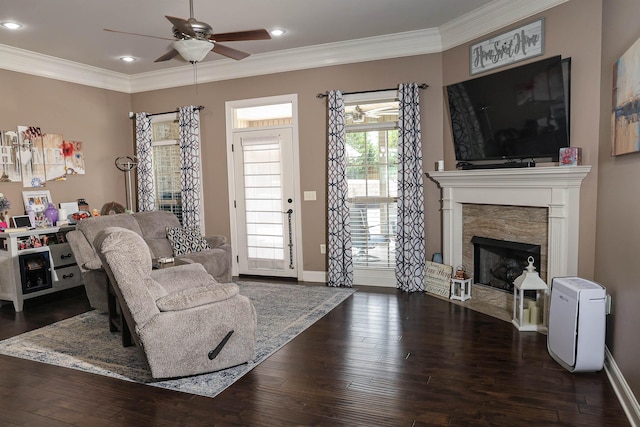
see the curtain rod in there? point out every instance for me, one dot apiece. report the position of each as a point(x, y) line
point(132, 115)
point(324, 95)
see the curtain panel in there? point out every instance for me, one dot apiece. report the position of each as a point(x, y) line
point(410, 243)
point(144, 158)
point(340, 268)
point(189, 122)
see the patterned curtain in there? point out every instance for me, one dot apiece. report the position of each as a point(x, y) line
point(144, 158)
point(339, 233)
point(410, 245)
point(189, 121)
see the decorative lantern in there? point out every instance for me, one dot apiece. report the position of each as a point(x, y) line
point(460, 285)
point(529, 312)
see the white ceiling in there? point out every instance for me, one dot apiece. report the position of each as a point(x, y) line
point(72, 30)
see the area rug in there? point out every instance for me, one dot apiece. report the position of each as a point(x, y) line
point(84, 342)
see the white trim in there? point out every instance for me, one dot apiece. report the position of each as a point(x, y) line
point(492, 17)
point(37, 64)
point(372, 277)
point(557, 188)
point(495, 15)
point(315, 276)
point(623, 391)
point(230, 106)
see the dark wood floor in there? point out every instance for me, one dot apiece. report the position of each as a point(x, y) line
point(381, 358)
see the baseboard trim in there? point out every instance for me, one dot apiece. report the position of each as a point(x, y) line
point(623, 391)
point(381, 279)
point(314, 276)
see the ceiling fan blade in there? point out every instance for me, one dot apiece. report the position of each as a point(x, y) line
point(136, 34)
point(182, 25)
point(167, 56)
point(241, 36)
point(229, 52)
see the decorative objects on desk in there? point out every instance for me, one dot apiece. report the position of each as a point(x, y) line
point(51, 213)
point(626, 84)
point(529, 311)
point(31, 215)
point(127, 164)
point(437, 278)
point(38, 200)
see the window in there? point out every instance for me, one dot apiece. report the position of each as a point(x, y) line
point(372, 176)
point(166, 163)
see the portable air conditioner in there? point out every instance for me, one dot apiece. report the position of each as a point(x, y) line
point(577, 322)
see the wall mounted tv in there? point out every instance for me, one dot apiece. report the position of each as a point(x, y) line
point(514, 117)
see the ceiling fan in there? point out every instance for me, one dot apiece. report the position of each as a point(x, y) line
point(194, 39)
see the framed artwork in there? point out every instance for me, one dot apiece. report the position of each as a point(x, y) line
point(625, 117)
point(9, 157)
point(38, 200)
point(31, 156)
point(54, 166)
point(516, 45)
point(73, 152)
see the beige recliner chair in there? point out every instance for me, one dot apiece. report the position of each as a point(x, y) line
point(185, 322)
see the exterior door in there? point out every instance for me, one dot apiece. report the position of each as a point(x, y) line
point(265, 202)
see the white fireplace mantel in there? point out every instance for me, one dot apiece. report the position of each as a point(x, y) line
point(556, 188)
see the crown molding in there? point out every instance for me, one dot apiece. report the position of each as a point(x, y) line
point(324, 55)
point(37, 64)
point(484, 20)
point(487, 19)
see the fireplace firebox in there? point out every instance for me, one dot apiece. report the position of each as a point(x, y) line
point(497, 263)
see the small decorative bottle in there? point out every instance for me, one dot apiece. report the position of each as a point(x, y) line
point(51, 213)
point(32, 216)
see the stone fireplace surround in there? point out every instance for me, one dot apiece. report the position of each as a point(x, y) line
point(556, 188)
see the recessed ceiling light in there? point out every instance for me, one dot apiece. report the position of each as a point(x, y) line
point(127, 58)
point(277, 32)
point(11, 25)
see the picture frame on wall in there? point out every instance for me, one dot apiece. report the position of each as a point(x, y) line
point(625, 126)
point(38, 199)
point(513, 46)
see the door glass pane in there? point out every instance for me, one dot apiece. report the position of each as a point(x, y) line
point(263, 116)
point(263, 203)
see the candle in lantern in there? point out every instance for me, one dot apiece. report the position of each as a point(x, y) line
point(533, 313)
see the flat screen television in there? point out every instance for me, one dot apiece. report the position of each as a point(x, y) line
point(514, 116)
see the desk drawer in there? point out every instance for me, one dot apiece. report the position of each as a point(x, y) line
point(62, 255)
point(68, 276)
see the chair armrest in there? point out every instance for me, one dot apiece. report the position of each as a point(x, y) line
point(85, 255)
point(215, 241)
point(174, 279)
point(197, 296)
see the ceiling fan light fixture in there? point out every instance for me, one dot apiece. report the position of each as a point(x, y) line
point(193, 50)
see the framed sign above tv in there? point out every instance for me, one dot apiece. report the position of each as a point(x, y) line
point(513, 46)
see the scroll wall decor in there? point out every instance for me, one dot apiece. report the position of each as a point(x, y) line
point(34, 157)
point(513, 46)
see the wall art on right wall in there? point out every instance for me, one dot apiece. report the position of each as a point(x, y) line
point(625, 117)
